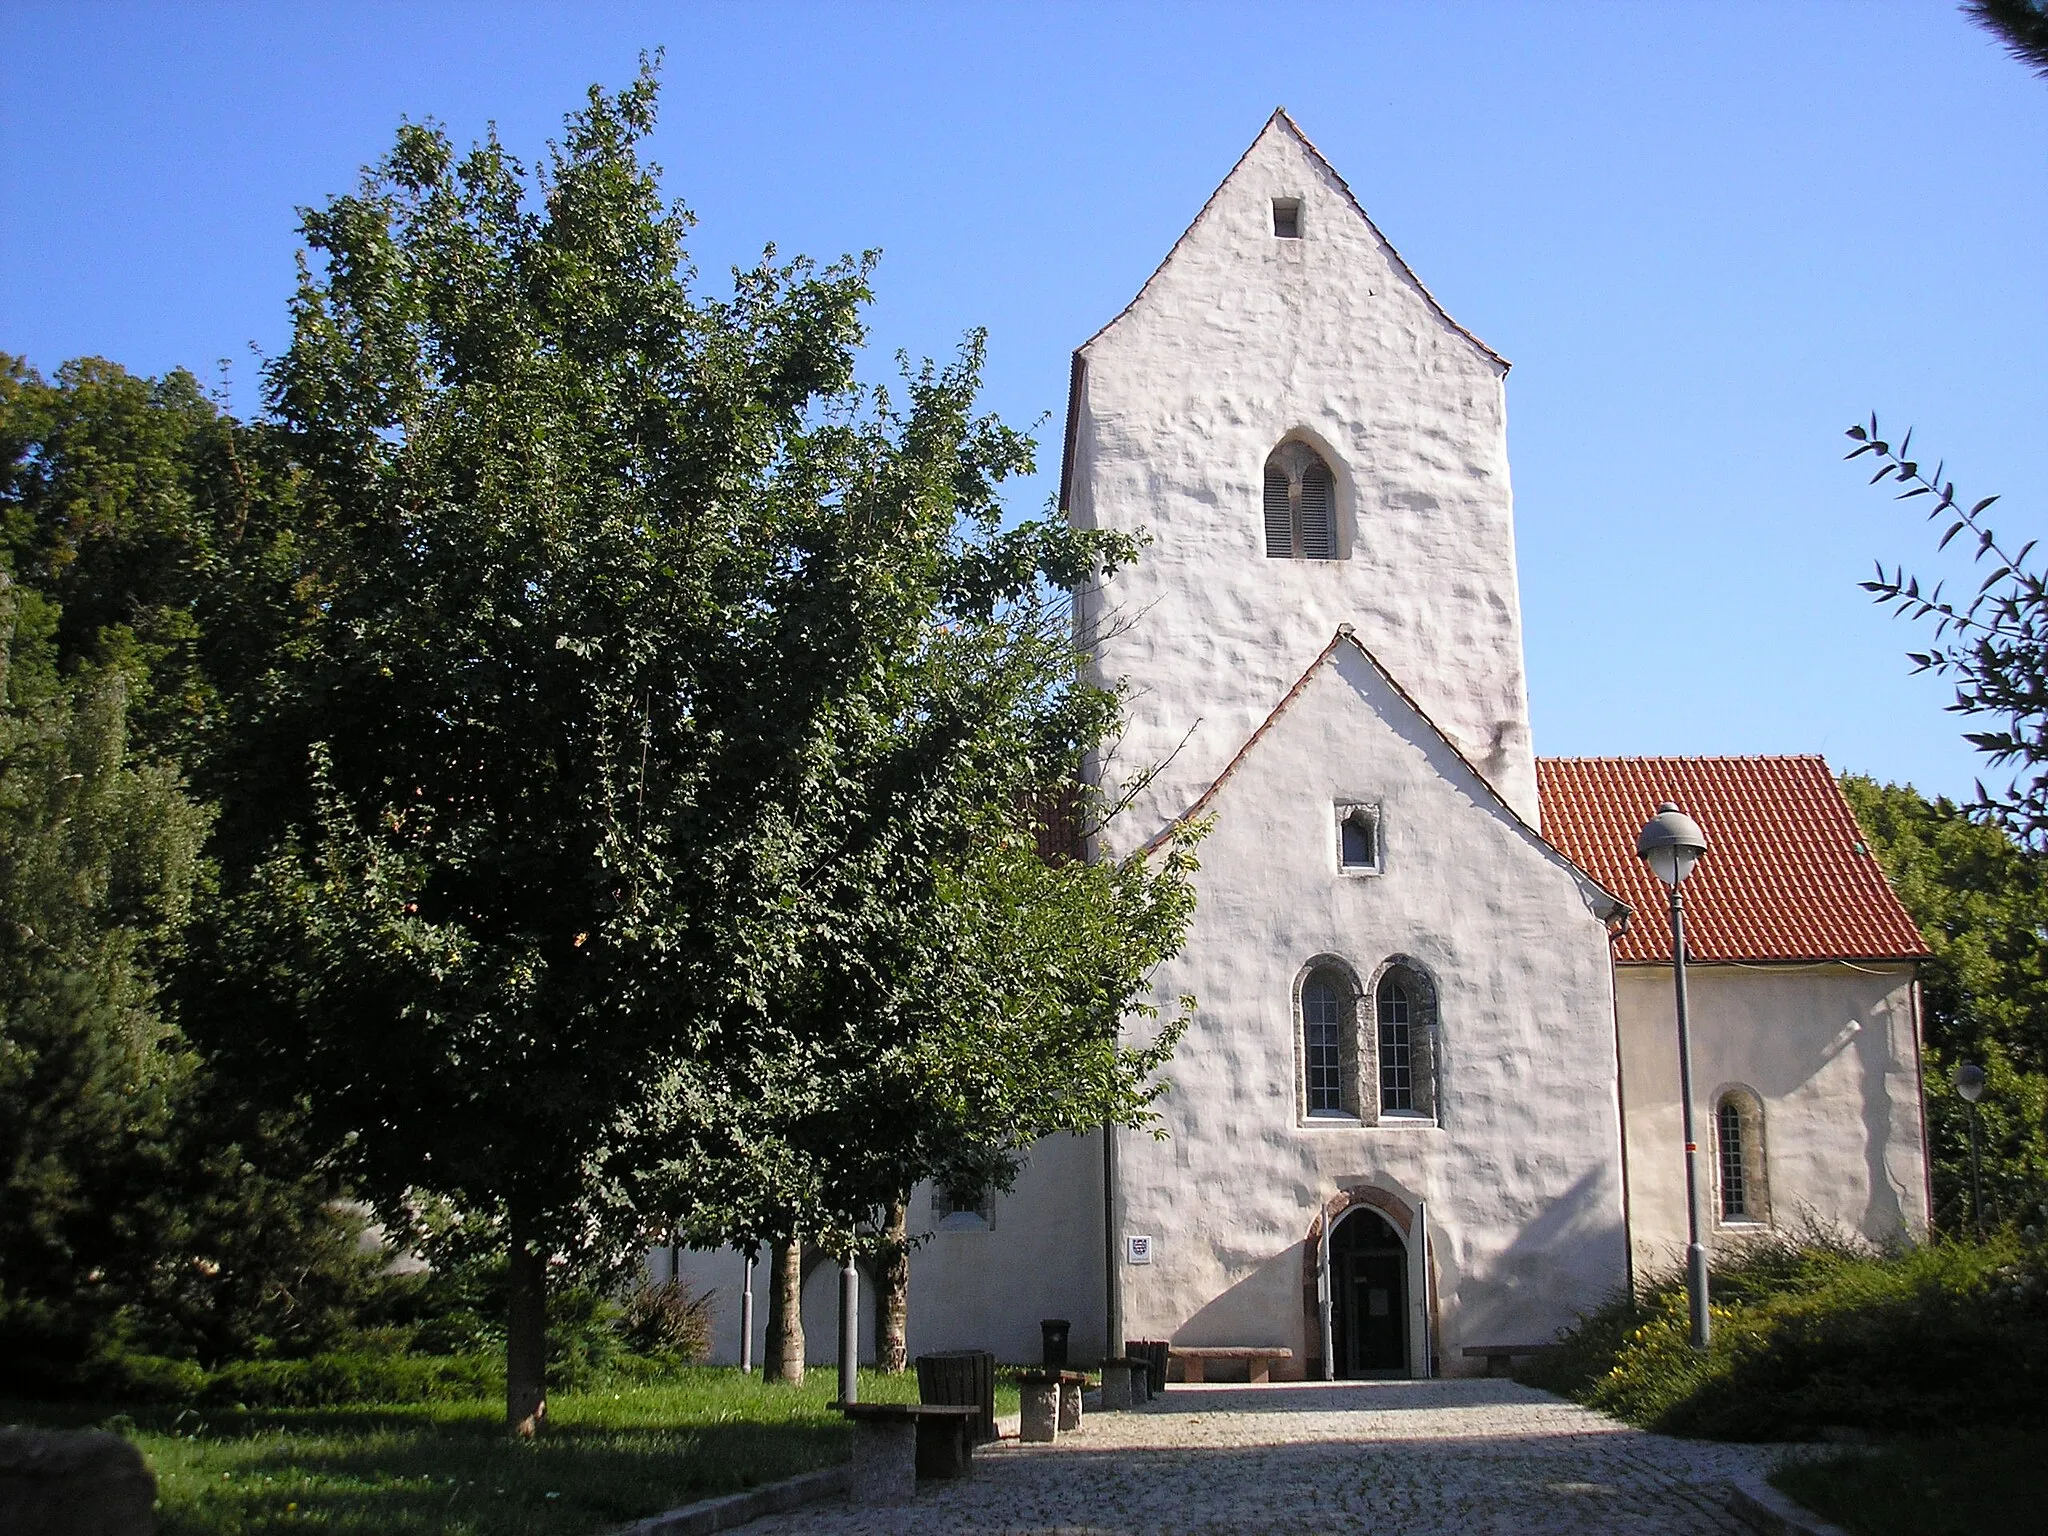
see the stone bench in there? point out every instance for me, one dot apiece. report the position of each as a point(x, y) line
point(1049, 1404)
point(897, 1444)
point(1500, 1358)
point(1258, 1359)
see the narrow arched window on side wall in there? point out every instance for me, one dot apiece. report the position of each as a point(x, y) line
point(1300, 505)
point(1739, 1166)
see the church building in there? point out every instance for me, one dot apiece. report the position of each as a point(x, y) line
point(1428, 1103)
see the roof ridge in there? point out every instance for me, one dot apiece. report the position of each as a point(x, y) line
point(1692, 757)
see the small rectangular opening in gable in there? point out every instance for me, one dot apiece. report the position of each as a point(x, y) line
point(1287, 217)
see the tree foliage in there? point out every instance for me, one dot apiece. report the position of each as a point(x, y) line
point(665, 716)
point(1981, 902)
point(2022, 25)
point(144, 1205)
point(1993, 643)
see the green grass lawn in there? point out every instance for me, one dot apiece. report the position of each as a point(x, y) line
point(606, 1456)
point(1991, 1483)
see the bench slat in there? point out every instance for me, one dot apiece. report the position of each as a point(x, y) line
point(1230, 1352)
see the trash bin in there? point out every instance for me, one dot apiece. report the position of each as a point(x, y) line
point(1054, 1331)
point(961, 1376)
point(1155, 1353)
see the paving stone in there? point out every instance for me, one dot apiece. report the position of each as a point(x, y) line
point(1437, 1458)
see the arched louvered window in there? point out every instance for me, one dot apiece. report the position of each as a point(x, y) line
point(1739, 1143)
point(1301, 505)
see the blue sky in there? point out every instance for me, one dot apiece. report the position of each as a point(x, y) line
point(1708, 236)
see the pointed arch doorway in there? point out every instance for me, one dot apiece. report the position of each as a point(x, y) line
point(1368, 1296)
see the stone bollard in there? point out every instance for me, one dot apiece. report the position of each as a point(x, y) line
point(884, 1461)
point(1070, 1404)
point(70, 1483)
point(1141, 1383)
point(1116, 1384)
point(1038, 1419)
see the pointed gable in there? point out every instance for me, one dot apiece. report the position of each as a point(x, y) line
point(1474, 783)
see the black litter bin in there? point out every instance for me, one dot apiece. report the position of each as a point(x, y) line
point(966, 1377)
point(1054, 1331)
point(1155, 1353)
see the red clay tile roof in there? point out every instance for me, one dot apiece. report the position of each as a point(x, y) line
point(1785, 877)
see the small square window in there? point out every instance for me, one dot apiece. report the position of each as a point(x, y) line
point(960, 1210)
point(1358, 839)
point(1287, 217)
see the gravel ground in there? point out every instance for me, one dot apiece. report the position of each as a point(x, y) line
point(1437, 1458)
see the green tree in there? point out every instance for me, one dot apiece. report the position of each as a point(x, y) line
point(635, 686)
point(1981, 902)
point(161, 531)
point(146, 1206)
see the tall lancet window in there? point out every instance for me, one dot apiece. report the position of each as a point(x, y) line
point(1322, 1025)
point(1405, 1006)
point(1301, 505)
point(1739, 1137)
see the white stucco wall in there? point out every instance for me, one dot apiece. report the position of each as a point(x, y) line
point(1039, 1257)
point(1240, 340)
point(1830, 1050)
point(1522, 1178)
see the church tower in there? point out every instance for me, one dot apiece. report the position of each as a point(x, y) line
point(1309, 441)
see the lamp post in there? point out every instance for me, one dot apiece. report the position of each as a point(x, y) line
point(1669, 844)
point(1970, 1088)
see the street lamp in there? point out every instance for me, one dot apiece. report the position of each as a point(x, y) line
point(1669, 844)
point(1970, 1088)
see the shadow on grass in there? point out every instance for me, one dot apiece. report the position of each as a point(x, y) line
point(1990, 1483)
point(450, 1467)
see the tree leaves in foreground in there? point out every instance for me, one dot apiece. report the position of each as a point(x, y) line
point(1981, 903)
point(1993, 643)
point(658, 683)
point(2022, 25)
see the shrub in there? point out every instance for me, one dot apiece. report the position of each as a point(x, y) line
point(131, 1377)
point(1812, 1335)
point(668, 1322)
point(355, 1376)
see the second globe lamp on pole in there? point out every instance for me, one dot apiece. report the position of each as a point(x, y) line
point(1670, 844)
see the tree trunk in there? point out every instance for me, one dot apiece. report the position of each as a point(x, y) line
point(892, 1300)
point(786, 1312)
point(526, 1332)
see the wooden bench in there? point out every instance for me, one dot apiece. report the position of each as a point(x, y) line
point(1258, 1359)
point(898, 1445)
point(1500, 1358)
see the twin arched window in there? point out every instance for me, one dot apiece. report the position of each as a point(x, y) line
point(1389, 1046)
point(1301, 505)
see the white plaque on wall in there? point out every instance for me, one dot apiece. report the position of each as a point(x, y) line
point(1137, 1250)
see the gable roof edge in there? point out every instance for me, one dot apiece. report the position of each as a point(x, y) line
point(1280, 115)
point(1618, 908)
point(1399, 260)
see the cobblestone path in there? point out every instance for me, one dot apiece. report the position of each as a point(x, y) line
point(1438, 1458)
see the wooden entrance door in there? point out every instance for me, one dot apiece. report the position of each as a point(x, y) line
point(1369, 1296)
